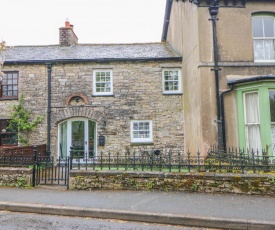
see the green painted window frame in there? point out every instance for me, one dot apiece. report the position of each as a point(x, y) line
point(263, 88)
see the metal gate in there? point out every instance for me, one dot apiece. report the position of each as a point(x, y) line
point(48, 171)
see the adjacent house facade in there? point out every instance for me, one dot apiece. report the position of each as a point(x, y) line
point(95, 97)
point(245, 61)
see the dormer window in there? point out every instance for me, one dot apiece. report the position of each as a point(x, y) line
point(264, 37)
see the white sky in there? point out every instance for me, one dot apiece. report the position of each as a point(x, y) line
point(37, 22)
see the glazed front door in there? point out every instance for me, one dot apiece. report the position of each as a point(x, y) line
point(79, 133)
point(79, 139)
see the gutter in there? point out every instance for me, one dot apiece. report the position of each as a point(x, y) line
point(167, 14)
point(103, 60)
point(251, 79)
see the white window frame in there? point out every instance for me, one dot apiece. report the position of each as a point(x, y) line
point(94, 82)
point(69, 136)
point(263, 39)
point(142, 140)
point(179, 91)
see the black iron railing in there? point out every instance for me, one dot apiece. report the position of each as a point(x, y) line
point(166, 160)
point(216, 160)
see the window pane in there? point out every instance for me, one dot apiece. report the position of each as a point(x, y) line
point(268, 50)
point(253, 138)
point(259, 50)
point(63, 139)
point(272, 105)
point(268, 26)
point(252, 108)
point(8, 136)
point(257, 27)
point(252, 122)
point(9, 85)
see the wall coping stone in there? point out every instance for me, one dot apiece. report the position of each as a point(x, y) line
point(15, 170)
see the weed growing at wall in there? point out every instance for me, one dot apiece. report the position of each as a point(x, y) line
point(21, 181)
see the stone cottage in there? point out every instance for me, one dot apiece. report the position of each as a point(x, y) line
point(95, 97)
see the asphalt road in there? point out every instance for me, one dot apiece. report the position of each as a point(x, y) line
point(29, 221)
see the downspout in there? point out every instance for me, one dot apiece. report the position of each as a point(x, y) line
point(49, 68)
point(166, 19)
point(223, 115)
point(213, 10)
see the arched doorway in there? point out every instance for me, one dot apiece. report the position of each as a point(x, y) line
point(80, 133)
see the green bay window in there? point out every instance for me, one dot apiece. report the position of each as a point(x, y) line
point(256, 116)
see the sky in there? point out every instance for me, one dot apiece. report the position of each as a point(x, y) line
point(37, 22)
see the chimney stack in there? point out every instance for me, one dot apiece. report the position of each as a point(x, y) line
point(67, 36)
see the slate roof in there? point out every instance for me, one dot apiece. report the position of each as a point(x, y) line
point(90, 52)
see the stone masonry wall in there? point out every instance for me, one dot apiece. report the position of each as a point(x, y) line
point(257, 184)
point(16, 177)
point(137, 95)
point(33, 86)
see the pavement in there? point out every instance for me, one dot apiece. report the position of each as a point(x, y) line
point(222, 211)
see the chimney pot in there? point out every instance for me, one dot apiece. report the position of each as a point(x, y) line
point(67, 24)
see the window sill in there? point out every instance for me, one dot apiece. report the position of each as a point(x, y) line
point(8, 99)
point(264, 61)
point(141, 143)
point(102, 95)
point(172, 93)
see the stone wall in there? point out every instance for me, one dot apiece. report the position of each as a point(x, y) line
point(137, 95)
point(16, 177)
point(194, 182)
point(33, 86)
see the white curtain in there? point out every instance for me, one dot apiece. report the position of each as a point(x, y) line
point(252, 122)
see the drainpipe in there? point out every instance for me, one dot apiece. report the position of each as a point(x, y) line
point(223, 115)
point(49, 68)
point(213, 10)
